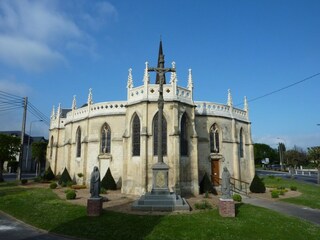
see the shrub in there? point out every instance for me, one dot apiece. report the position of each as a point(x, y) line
point(293, 188)
point(48, 174)
point(257, 185)
point(37, 179)
point(281, 192)
point(71, 194)
point(206, 185)
point(281, 187)
point(103, 191)
point(108, 181)
point(78, 186)
point(65, 177)
point(203, 205)
point(80, 175)
point(24, 181)
point(53, 185)
point(237, 197)
point(206, 195)
point(275, 194)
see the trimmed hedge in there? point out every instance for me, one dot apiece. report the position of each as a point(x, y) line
point(108, 181)
point(65, 178)
point(48, 174)
point(257, 185)
point(206, 185)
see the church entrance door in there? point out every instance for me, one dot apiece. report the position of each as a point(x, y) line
point(215, 166)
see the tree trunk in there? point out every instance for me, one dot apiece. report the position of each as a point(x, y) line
point(1, 171)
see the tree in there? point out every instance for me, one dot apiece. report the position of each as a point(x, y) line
point(262, 151)
point(9, 148)
point(296, 156)
point(314, 156)
point(39, 153)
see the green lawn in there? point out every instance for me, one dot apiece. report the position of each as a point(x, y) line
point(43, 209)
point(310, 192)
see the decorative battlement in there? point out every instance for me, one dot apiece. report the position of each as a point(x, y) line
point(150, 92)
point(216, 109)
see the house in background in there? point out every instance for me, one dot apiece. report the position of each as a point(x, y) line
point(28, 163)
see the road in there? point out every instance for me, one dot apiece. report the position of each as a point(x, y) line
point(304, 178)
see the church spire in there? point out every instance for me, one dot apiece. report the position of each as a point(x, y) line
point(74, 103)
point(160, 64)
point(245, 108)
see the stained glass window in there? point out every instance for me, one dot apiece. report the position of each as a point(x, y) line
point(136, 136)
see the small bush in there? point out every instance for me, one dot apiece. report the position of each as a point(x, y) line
point(71, 194)
point(293, 188)
point(257, 185)
point(203, 205)
point(275, 194)
point(281, 187)
point(237, 197)
point(108, 181)
point(53, 185)
point(103, 191)
point(37, 179)
point(206, 195)
point(80, 175)
point(281, 192)
point(78, 186)
point(24, 181)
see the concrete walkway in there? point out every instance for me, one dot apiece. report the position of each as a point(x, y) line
point(306, 213)
point(13, 229)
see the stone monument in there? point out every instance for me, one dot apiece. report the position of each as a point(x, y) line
point(160, 198)
point(94, 203)
point(226, 203)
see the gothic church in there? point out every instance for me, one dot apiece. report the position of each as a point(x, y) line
point(198, 137)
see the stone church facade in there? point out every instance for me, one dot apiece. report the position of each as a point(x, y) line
point(198, 137)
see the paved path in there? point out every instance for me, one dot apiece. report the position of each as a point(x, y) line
point(13, 229)
point(306, 213)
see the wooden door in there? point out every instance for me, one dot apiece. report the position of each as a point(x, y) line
point(215, 174)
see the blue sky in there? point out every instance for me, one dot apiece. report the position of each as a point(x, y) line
point(52, 50)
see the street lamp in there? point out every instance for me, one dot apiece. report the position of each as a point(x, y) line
point(28, 146)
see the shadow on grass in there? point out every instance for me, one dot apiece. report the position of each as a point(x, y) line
point(110, 225)
point(238, 207)
point(11, 191)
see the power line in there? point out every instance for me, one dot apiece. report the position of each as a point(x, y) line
point(281, 89)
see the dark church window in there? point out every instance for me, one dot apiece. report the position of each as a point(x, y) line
point(184, 136)
point(214, 139)
point(136, 136)
point(241, 144)
point(51, 147)
point(78, 142)
point(155, 135)
point(105, 139)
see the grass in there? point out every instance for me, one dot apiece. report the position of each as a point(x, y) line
point(43, 209)
point(310, 192)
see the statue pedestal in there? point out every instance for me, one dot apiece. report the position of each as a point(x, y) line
point(227, 208)
point(160, 198)
point(94, 206)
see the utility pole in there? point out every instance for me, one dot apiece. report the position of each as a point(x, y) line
point(23, 130)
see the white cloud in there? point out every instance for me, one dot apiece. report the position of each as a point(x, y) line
point(28, 54)
point(14, 87)
point(34, 35)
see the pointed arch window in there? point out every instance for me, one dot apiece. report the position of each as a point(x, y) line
point(214, 139)
point(184, 136)
point(241, 147)
point(51, 147)
point(78, 142)
point(155, 135)
point(136, 136)
point(105, 145)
